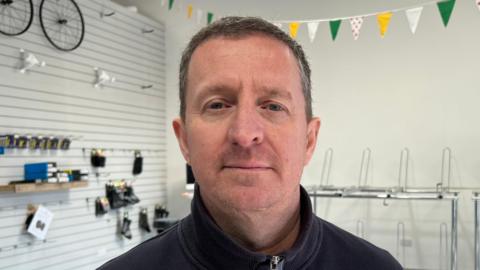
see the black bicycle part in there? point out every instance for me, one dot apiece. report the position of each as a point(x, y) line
point(62, 23)
point(16, 16)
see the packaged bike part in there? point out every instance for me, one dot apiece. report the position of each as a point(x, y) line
point(143, 220)
point(137, 163)
point(125, 231)
point(115, 192)
point(65, 144)
point(130, 196)
point(97, 158)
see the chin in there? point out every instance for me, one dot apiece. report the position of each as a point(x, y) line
point(252, 197)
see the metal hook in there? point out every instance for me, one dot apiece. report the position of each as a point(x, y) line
point(385, 201)
point(446, 151)
point(404, 157)
point(400, 241)
point(326, 166)
point(360, 229)
point(365, 160)
point(443, 246)
point(147, 86)
point(104, 14)
point(147, 31)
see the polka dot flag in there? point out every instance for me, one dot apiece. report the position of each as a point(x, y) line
point(356, 23)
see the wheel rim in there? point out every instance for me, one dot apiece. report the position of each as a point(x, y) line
point(15, 16)
point(62, 23)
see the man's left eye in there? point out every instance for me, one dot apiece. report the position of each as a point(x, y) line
point(273, 107)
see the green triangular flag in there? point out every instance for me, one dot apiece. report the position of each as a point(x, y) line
point(209, 17)
point(334, 26)
point(170, 4)
point(446, 8)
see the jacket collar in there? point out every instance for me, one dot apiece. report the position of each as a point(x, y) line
point(213, 249)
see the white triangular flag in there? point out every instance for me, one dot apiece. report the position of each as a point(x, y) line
point(356, 24)
point(279, 25)
point(312, 30)
point(413, 16)
point(163, 2)
point(199, 16)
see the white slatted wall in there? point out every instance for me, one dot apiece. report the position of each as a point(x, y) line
point(60, 100)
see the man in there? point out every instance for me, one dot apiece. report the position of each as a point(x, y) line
point(246, 128)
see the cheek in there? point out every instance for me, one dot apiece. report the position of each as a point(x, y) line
point(204, 146)
point(291, 147)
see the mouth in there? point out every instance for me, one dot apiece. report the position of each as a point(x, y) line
point(247, 167)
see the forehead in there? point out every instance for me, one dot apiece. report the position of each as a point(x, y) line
point(257, 57)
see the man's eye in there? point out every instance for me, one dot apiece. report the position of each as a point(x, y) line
point(273, 107)
point(216, 105)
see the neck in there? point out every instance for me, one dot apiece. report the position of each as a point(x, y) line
point(269, 231)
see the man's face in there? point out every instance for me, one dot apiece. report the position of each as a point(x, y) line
point(245, 132)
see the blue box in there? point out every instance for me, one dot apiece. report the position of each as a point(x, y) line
point(39, 171)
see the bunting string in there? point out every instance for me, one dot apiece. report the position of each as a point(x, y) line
point(413, 13)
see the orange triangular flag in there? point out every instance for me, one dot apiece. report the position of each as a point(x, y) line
point(383, 21)
point(189, 11)
point(294, 29)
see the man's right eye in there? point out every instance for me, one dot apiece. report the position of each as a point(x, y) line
point(217, 105)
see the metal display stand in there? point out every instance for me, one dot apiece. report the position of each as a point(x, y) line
point(476, 199)
point(392, 194)
point(401, 192)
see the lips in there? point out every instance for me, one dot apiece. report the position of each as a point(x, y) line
point(247, 166)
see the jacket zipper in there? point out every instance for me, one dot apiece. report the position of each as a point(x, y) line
point(276, 263)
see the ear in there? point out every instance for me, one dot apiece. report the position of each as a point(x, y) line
point(179, 128)
point(312, 133)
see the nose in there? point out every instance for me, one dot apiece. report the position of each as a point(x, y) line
point(246, 129)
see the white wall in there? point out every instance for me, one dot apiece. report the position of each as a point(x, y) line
point(59, 99)
point(417, 91)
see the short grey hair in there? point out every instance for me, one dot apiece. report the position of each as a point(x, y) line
point(237, 27)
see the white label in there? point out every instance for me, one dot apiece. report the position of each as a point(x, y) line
point(40, 223)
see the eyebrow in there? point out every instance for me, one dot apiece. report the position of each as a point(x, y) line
point(276, 93)
point(223, 89)
point(228, 89)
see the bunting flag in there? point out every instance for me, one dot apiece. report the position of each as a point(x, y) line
point(383, 20)
point(356, 24)
point(293, 26)
point(413, 16)
point(478, 3)
point(334, 26)
point(189, 11)
point(312, 30)
point(209, 17)
point(199, 16)
point(446, 8)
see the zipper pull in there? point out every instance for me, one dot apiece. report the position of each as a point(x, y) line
point(276, 263)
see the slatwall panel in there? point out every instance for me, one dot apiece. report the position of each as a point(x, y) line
point(60, 100)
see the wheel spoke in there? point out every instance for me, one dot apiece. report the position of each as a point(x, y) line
point(62, 23)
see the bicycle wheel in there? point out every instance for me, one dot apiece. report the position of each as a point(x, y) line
point(15, 16)
point(62, 23)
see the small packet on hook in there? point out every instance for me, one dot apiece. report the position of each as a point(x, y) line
point(137, 163)
point(97, 158)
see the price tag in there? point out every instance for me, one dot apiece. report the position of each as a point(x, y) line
point(40, 223)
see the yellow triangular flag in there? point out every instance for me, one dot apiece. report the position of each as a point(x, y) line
point(189, 11)
point(383, 21)
point(294, 29)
